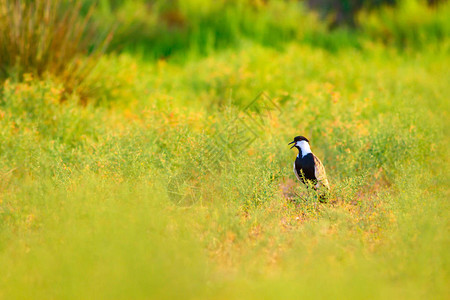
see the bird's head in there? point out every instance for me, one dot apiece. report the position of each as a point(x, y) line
point(298, 141)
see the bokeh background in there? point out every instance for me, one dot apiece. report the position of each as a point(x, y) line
point(143, 149)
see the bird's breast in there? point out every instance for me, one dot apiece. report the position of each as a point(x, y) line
point(306, 165)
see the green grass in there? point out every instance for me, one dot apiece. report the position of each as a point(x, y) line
point(123, 197)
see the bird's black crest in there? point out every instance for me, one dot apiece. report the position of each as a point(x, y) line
point(300, 138)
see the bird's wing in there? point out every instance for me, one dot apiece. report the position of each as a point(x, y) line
point(319, 172)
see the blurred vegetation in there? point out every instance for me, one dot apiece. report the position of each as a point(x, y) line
point(166, 28)
point(410, 24)
point(163, 28)
point(66, 38)
point(345, 12)
point(46, 37)
point(144, 191)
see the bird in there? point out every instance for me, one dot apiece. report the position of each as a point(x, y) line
point(309, 169)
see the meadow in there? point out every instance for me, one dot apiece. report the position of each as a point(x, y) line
point(159, 169)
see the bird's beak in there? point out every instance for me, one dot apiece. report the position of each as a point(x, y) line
point(292, 145)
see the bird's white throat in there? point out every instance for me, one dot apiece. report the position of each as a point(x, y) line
point(304, 146)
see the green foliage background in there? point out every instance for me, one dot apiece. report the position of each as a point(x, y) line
point(109, 185)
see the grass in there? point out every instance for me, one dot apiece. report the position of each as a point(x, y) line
point(49, 37)
point(153, 190)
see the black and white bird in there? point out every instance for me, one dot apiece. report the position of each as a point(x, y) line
point(308, 168)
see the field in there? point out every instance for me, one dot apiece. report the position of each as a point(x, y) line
point(163, 172)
